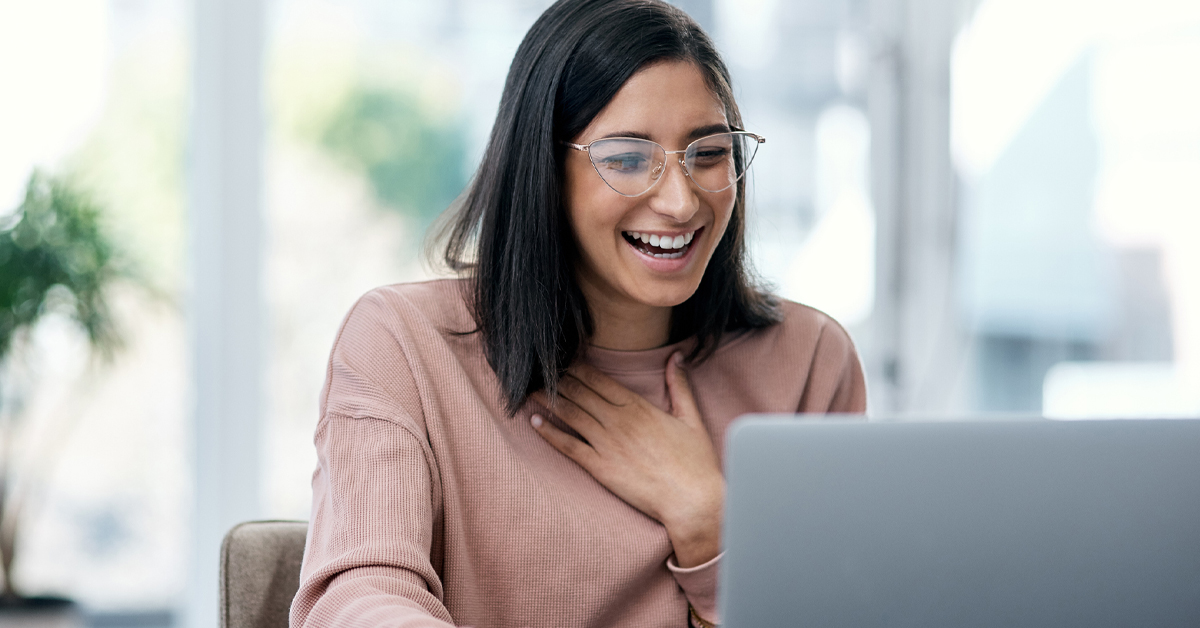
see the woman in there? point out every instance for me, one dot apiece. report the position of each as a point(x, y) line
point(538, 443)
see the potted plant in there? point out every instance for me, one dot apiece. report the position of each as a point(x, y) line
point(55, 258)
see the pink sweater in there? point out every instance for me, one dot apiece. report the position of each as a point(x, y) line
point(431, 507)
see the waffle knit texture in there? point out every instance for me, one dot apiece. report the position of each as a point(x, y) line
point(433, 508)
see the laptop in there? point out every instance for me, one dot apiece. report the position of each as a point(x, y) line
point(1031, 523)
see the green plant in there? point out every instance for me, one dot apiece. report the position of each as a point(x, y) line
point(413, 163)
point(55, 258)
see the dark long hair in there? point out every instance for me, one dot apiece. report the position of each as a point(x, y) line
point(511, 232)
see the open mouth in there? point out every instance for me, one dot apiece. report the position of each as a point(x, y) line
point(661, 246)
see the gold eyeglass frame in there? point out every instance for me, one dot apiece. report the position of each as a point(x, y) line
point(656, 175)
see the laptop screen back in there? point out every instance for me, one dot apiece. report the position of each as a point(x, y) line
point(1033, 523)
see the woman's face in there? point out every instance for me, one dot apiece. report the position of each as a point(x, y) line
point(671, 104)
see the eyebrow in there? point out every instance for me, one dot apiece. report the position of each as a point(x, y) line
point(695, 134)
point(711, 129)
point(632, 134)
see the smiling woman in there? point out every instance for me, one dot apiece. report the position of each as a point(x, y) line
point(631, 284)
point(539, 441)
point(588, 72)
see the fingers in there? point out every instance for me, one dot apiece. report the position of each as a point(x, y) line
point(602, 385)
point(588, 400)
point(566, 444)
point(571, 414)
point(683, 402)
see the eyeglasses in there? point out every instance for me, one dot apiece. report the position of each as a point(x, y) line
point(632, 166)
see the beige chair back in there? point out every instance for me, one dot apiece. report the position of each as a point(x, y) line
point(260, 572)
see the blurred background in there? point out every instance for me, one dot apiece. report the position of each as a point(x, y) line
point(998, 198)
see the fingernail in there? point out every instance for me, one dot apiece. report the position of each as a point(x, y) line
point(677, 358)
point(535, 420)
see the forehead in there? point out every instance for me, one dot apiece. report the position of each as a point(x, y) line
point(664, 101)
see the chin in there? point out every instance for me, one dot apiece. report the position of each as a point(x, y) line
point(666, 294)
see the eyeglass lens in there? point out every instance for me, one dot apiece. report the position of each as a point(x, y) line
point(632, 166)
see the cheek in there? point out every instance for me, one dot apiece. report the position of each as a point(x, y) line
point(723, 209)
point(576, 198)
point(590, 202)
point(591, 214)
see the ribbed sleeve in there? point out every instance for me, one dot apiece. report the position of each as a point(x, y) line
point(835, 378)
point(699, 584)
point(367, 562)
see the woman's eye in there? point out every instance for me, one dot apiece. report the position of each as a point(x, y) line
point(624, 163)
point(711, 156)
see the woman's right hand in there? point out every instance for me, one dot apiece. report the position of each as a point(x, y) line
point(661, 463)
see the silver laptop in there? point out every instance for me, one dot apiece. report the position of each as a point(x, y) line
point(1016, 523)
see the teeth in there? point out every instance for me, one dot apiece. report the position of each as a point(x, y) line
point(663, 242)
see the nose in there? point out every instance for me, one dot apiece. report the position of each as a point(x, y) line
point(674, 195)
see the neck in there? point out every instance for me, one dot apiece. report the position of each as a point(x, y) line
point(625, 326)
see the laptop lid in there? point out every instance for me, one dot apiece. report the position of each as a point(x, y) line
point(1027, 523)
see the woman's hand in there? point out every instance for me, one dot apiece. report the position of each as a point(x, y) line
point(662, 464)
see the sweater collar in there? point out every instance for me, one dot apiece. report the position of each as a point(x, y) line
point(645, 361)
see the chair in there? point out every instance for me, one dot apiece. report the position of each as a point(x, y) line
point(260, 572)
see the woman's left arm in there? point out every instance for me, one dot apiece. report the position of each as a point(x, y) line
point(835, 383)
